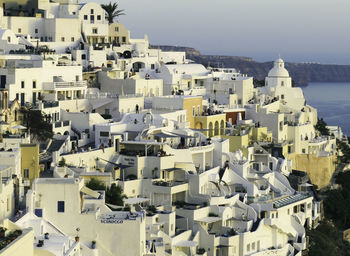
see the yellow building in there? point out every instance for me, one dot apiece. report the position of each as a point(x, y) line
point(259, 134)
point(319, 168)
point(30, 162)
point(244, 136)
point(193, 106)
point(238, 142)
point(118, 34)
point(212, 125)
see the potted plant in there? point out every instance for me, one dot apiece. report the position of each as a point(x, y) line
point(200, 251)
point(93, 244)
point(77, 238)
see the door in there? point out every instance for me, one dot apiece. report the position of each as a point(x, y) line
point(34, 98)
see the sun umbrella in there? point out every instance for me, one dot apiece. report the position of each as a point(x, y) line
point(19, 127)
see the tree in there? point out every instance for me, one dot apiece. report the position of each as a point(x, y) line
point(96, 184)
point(39, 127)
point(114, 195)
point(112, 11)
point(321, 126)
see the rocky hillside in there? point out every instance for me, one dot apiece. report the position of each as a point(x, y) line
point(302, 73)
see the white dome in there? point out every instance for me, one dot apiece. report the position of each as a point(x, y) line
point(278, 69)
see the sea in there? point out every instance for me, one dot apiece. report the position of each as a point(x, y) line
point(332, 101)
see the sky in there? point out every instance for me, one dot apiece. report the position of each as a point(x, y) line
point(298, 30)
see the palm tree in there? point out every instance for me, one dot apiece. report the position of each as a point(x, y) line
point(112, 11)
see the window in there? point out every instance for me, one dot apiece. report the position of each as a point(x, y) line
point(34, 84)
point(72, 39)
point(36, 31)
point(94, 30)
point(104, 134)
point(98, 17)
point(295, 209)
point(38, 212)
point(199, 110)
point(116, 29)
point(91, 11)
point(303, 150)
point(2, 81)
point(83, 57)
point(288, 211)
point(62, 39)
point(124, 39)
point(193, 111)
point(17, 96)
point(19, 30)
point(26, 173)
point(85, 17)
point(152, 66)
point(282, 83)
point(9, 39)
point(253, 246)
point(248, 247)
point(282, 96)
point(60, 206)
point(22, 84)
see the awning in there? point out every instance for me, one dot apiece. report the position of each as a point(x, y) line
point(209, 219)
point(186, 243)
point(306, 185)
point(19, 127)
point(164, 135)
point(98, 104)
point(183, 136)
point(121, 166)
point(90, 192)
point(114, 207)
point(24, 41)
point(223, 246)
point(172, 169)
point(136, 200)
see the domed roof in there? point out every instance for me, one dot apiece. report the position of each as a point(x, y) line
point(278, 69)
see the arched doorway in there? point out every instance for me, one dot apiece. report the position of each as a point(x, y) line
point(199, 126)
point(222, 127)
point(216, 131)
point(210, 129)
